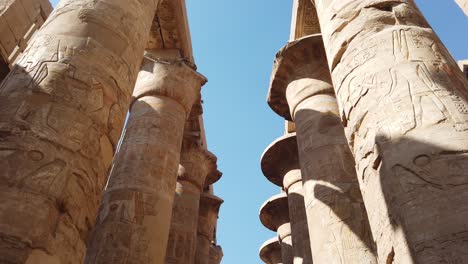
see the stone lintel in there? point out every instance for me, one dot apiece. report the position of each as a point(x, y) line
point(270, 251)
point(279, 158)
point(196, 164)
point(299, 61)
point(275, 212)
point(170, 78)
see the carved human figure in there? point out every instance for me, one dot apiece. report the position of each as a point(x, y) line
point(403, 102)
point(301, 91)
point(62, 109)
point(135, 212)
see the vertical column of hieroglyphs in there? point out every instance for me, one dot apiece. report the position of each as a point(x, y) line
point(195, 164)
point(280, 164)
point(61, 113)
point(301, 91)
point(135, 213)
point(403, 102)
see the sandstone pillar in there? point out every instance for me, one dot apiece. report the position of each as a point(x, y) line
point(301, 90)
point(196, 163)
point(208, 216)
point(274, 215)
point(404, 105)
point(62, 109)
point(280, 164)
point(135, 213)
point(216, 254)
point(270, 252)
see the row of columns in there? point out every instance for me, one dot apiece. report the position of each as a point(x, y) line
point(383, 154)
point(63, 107)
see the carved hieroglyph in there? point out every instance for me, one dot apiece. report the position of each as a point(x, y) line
point(135, 213)
point(195, 164)
point(62, 109)
point(274, 215)
point(280, 164)
point(404, 104)
point(301, 90)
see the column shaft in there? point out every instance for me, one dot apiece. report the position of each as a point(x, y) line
point(404, 105)
point(135, 213)
point(297, 215)
point(62, 109)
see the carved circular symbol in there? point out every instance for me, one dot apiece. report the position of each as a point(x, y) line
point(35, 155)
point(422, 160)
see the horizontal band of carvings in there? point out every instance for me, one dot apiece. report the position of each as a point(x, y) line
point(275, 212)
point(270, 251)
point(279, 158)
point(173, 79)
point(299, 72)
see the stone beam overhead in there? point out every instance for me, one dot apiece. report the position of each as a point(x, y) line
point(270, 251)
point(170, 29)
point(292, 68)
point(279, 158)
point(304, 19)
point(463, 5)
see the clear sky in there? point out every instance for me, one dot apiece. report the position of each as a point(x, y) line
point(234, 44)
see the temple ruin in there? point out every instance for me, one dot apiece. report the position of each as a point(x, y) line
point(104, 157)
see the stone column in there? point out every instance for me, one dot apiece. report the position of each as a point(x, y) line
point(216, 254)
point(208, 216)
point(270, 252)
point(62, 109)
point(301, 90)
point(274, 215)
point(135, 212)
point(280, 164)
point(404, 105)
point(196, 162)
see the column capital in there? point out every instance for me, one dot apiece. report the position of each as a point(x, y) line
point(172, 78)
point(270, 251)
point(279, 158)
point(275, 212)
point(216, 254)
point(209, 209)
point(196, 164)
point(300, 71)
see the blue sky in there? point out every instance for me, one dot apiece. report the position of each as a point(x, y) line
point(234, 44)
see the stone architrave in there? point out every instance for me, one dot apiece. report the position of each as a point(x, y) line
point(195, 164)
point(135, 212)
point(404, 105)
point(207, 220)
point(274, 215)
point(270, 252)
point(280, 164)
point(62, 109)
point(301, 90)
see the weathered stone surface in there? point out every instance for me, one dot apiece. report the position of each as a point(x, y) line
point(61, 109)
point(403, 102)
point(301, 89)
point(463, 5)
point(134, 216)
point(270, 252)
point(274, 215)
point(207, 220)
point(280, 164)
point(304, 19)
point(464, 67)
point(196, 163)
point(216, 254)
